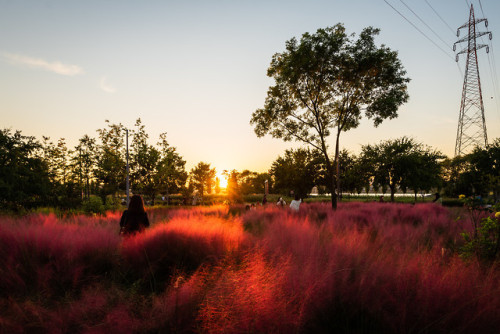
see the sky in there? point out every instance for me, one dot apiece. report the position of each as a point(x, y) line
point(197, 69)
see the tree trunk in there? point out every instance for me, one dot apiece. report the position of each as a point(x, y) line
point(330, 172)
point(168, 196)
point(333, 190)
point(393, 190)
point(331, 177)
point(337, 167)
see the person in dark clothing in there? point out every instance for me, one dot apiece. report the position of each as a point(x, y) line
point(135, 219)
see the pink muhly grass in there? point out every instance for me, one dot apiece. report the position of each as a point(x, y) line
point(175, 309)
point(100, 310)
point(180, 245)
point(43, 254)
point(96, 310)
point(249, 298)
point(395, 279)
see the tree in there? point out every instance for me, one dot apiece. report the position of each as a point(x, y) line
point(296, 170)
point(258, 182)
point(402, 163)
point(65, 186)
point(326, 81)
point(476, 173)
point(110, 167)
point(171, 168)
point(24, 175)
point(202, 178)
point(233, 189)
point(353, 174)
point(424, 170)
point(144, 160)
point(452, 171)
point(83, 163)
point(247, 182)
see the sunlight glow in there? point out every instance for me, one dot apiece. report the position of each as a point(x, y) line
point(222, 180)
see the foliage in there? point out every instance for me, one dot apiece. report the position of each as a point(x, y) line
point(84, 163)
point(110, 168)
point(144, 159)
point(93, 205)
point(484, 240)
point(233, 190)
point(24, 176)
point(155, 170)
point(172, 174)
point(296, 171)
point(326, 81)
point(202, 178)
point(477, 173)
point(402, 163)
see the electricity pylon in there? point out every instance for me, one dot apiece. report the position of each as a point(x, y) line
point(471, 124)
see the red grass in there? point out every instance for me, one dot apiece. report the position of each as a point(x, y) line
point(365, 268)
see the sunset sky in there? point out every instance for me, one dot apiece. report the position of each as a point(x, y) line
point(197, 69)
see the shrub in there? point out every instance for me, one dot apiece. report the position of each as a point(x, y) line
point(93, 205)
point(112, 203)
point(484, 242)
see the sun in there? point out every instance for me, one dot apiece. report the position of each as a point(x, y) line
point(222, 180)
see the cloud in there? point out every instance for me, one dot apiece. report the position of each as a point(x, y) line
point(106, 86)
point(56, 67)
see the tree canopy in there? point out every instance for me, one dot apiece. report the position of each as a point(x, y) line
point(202, 178)
point(297, 171)
point(329, 80)
point(402, 163)
point(24, 175)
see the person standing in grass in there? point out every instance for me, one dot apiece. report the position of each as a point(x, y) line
point(281, 202)
point(295, 204)
point(134, 219)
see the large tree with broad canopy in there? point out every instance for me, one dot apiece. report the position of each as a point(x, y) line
point(326, 82)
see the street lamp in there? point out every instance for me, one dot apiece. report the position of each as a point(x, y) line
point(128, 179)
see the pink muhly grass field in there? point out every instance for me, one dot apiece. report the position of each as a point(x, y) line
point(365, 268)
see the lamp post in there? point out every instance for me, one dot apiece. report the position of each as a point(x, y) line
point(128, 179)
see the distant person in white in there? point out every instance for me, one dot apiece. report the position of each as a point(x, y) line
point(295, 204)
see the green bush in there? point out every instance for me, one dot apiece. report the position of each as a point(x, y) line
point(485, 244)
point(112, 203)
point(484, 240)
point(93, 205)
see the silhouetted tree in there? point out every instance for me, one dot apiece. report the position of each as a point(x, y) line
point(83, 164)
point(402, 163)
point(296, 170)
point(110, 171)
point(171, 170)
point(24, 175)
point(202, 177)
point(325, 82)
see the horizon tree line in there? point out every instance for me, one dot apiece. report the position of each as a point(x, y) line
point(43, 173)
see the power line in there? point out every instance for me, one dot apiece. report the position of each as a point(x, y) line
point(481, 5)
point(420, 31)
point(451, 29)
point(424, 23)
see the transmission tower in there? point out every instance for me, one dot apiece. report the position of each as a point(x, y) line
point(471, 124)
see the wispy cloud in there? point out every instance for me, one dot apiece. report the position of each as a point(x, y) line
point(105, 86)
point(56, 67)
